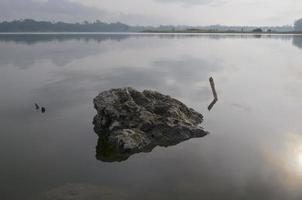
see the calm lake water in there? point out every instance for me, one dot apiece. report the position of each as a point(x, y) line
point(254, 150)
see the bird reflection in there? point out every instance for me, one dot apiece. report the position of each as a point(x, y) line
point(43, 110)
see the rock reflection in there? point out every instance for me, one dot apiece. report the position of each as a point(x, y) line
point(107, 152)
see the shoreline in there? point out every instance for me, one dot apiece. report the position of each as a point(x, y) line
point(153, 33)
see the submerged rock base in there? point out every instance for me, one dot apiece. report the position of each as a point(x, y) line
point(129, 121)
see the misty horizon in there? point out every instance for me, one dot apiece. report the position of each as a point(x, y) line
point(83, 21)
point(156, 12)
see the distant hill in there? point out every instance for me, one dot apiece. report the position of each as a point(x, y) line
point(30, 25)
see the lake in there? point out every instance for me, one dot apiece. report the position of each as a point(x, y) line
point(253, 151)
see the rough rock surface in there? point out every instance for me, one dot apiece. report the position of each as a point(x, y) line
point(129, 121)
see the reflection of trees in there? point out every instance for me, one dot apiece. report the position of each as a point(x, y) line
point(297, 41)
point(36, 38)
point(99, 37)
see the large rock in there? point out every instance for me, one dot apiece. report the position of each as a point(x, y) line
point(129, 121)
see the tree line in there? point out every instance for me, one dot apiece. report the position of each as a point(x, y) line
point(298, 25)
point(29, 25)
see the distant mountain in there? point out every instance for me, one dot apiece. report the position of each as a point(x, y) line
point(30, 25)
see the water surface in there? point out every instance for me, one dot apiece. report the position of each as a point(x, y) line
point(254, 150)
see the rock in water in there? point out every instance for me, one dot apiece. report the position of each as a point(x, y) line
point(129, 121)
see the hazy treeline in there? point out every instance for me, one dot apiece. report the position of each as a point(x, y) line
point(298, 25)
point(30, 25)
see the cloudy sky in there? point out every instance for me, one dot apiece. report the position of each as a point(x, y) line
point(155, 12)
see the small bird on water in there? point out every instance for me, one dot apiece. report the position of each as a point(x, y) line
point(37, 106)
point(43, 109)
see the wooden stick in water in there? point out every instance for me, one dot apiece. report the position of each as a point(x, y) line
point(214, 94)
point(213, 88)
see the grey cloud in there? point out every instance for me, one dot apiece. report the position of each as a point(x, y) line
point(188, 1)
point(47, 10)
point(67, 11)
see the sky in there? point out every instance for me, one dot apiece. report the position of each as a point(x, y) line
point(157, 12)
